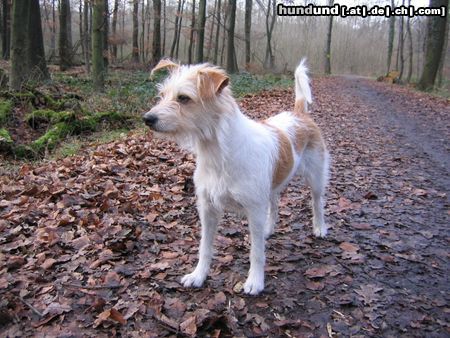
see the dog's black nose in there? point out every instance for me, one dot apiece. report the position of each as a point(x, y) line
point(150, 119)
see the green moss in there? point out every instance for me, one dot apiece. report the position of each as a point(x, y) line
point(52, 137)
point(4, 136)
point(5, 111)
point(50, 116)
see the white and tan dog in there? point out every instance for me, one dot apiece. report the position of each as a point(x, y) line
point(242, 164)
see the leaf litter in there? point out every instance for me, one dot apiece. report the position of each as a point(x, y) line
point(96, 244)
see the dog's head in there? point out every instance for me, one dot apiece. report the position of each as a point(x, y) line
point(189, 99)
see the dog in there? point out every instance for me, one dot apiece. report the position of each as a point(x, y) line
point(241, 164)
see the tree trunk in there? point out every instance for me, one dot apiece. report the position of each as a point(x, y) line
point(216, 43)
point(105, 35)
point(36, 54)
point(6, 31)
point(65, 49)
point(87, 30)
point(19, 30)
point(27, 44)
point(269, 60)
point(179, 30)
point(434, 48)
point(98, 66)
point(142, 35)
point(444, 53)
point(410, 45)
point(53, 32)
point(156, 44)
point(231, 61)
point(328, 44)
point(81, 26)
point(135, 52)
point(163, 46)
point(201, 30)
point(401, 44)
point(148, 17)
point(175, 31)
point(114, 32)
point(211, 33)
point(191, 34)
point(391, 39)
point(224, 35)
point(248, 26)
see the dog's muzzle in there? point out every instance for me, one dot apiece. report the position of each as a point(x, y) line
point(150, 120)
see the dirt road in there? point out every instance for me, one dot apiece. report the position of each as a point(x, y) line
point(120, 220)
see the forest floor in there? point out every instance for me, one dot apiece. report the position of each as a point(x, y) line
point(95, 245)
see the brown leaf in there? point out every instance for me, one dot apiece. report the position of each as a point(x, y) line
point(48, 263)
point(57, 309)
point(368, 293)
point(346, 246)
point(189, 326)
point(117, 316)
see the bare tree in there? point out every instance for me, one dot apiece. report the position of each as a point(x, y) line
point(98, 64)
point(444, 54)
point(248, 27)
point(191, 33)
point(390, 39)
point(142, 35)
point(6, 28)
point(270, 19)
point(135, 52)
point(27, 44)
point(410, 45)
point(231, 55)
point(401, 44)
point(114, 31)
point(86, 35)
point(201, 30)
point(105, 34)
point(65, 32)
point(328, 43)
point(156, 44)
point(179, 30)
point(216, 43)
point(435, 43)
point(176, 36)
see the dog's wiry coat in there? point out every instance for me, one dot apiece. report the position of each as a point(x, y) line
point(241, 164)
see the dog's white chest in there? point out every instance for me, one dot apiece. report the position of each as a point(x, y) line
point(216, 187)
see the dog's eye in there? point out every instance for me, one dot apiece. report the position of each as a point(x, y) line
point(183, 98)
point(157, 99)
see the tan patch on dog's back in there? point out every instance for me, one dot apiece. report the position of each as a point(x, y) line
point(285, 160)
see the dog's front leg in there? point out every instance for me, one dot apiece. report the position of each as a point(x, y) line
point(255, 280)
point(209, 218)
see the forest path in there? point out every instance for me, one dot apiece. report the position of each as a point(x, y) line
point(120, 220)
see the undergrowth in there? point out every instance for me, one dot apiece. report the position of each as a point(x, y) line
point(64, 123)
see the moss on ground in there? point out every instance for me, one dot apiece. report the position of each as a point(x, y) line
point(5, 111)
point(49, 116)
point(4, 136)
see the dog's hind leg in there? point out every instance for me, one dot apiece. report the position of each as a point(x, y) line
point(316, 175)
point(209, 218)
point(272, 217)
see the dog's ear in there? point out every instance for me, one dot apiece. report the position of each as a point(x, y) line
point(211, 81)
point(165, 64)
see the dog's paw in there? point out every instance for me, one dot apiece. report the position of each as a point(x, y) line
point(320, 231)
point(254, 286)
point(193, 279)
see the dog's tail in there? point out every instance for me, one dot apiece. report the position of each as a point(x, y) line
point(302, 89)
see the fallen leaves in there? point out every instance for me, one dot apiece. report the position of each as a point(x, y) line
point(100, 241)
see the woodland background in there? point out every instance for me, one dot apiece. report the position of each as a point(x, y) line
point(97, 217)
